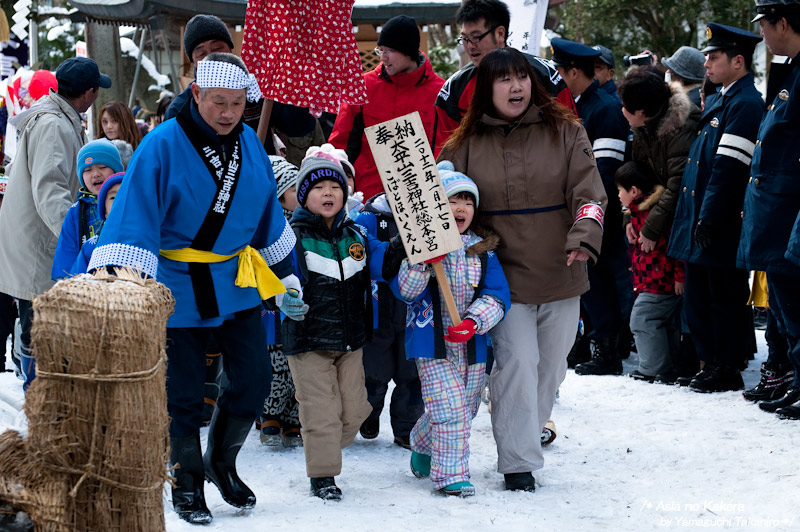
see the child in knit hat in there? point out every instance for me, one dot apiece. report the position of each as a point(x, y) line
point(328, 323)
point(97, 161)
point(279, 423)
point(105, 199)
point(452, 369)
point(355, 200)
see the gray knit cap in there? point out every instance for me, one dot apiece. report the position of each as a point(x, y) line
point(687, 62)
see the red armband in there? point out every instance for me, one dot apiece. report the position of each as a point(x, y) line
point(591, 211)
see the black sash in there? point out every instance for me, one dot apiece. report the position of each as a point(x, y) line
point(226, 178)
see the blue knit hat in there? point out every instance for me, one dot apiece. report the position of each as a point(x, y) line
point(455, 182)
point(100, 151)
point(101, 196)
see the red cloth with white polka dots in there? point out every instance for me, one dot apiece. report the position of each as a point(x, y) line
point(304, 53)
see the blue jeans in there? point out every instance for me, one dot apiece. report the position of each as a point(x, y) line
point(655, 330)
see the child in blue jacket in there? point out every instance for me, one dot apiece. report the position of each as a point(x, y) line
point(105, 199)
point(452, 367)
point(97, 161)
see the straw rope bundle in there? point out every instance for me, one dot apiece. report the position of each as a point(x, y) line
point(98, 423)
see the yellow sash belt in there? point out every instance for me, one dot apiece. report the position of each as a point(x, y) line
point(253, 270)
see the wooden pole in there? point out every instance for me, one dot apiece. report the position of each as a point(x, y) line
point(263, 122)
point(449, 300)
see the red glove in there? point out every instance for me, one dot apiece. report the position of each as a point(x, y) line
point(440, 258)
point(461, 333)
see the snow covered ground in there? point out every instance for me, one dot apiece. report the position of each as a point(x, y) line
point(629, 456)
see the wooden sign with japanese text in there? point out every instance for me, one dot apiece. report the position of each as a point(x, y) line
point(413, 187)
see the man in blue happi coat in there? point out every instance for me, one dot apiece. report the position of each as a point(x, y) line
point(198, 203)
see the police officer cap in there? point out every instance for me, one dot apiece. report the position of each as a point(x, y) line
point(775, 7)
point(571, 54)
point(721, 37)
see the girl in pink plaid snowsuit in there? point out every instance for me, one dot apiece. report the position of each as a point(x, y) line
point(452, 367)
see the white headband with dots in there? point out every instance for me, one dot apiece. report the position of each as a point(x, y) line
point(224, 75)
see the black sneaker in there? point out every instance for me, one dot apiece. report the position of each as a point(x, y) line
point(370, 428)
point(775, 380)
point(520, 482)
point(717, 379)
point(326, 489)
point(639, 376)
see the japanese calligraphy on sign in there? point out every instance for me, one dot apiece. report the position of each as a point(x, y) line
point(413, 187)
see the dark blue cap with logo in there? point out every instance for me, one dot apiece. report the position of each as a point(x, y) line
point(722, 37)
point(775, 8)
point(572, 54)
point(78, 74)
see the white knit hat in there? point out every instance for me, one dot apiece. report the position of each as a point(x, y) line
point(455, 182)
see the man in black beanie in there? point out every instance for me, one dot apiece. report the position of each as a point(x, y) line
point(205, 34)
point(402, 83)
point(402, 34)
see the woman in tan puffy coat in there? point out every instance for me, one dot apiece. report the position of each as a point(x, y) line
point(542, 194)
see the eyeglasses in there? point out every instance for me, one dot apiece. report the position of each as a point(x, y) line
point(381, 53)
point(475, 40)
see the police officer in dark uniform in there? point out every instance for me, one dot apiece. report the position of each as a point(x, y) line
point(608, 302)
point(772, 200)
point(707, 225)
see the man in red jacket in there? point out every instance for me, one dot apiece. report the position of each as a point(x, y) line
point(484, 28)
point(402, 83)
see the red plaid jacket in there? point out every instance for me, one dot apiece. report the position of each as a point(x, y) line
point(653, 272)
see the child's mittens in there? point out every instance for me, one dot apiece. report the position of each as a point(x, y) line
point(461, 333)
point(293, 306)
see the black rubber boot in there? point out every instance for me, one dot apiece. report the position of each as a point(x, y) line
point(775, 380)
point(791, 396)
point(225, 437)
point(188, 499)
point(605, 359)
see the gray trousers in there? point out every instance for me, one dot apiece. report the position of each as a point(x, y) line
point(530, 362)
point(655, 330)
